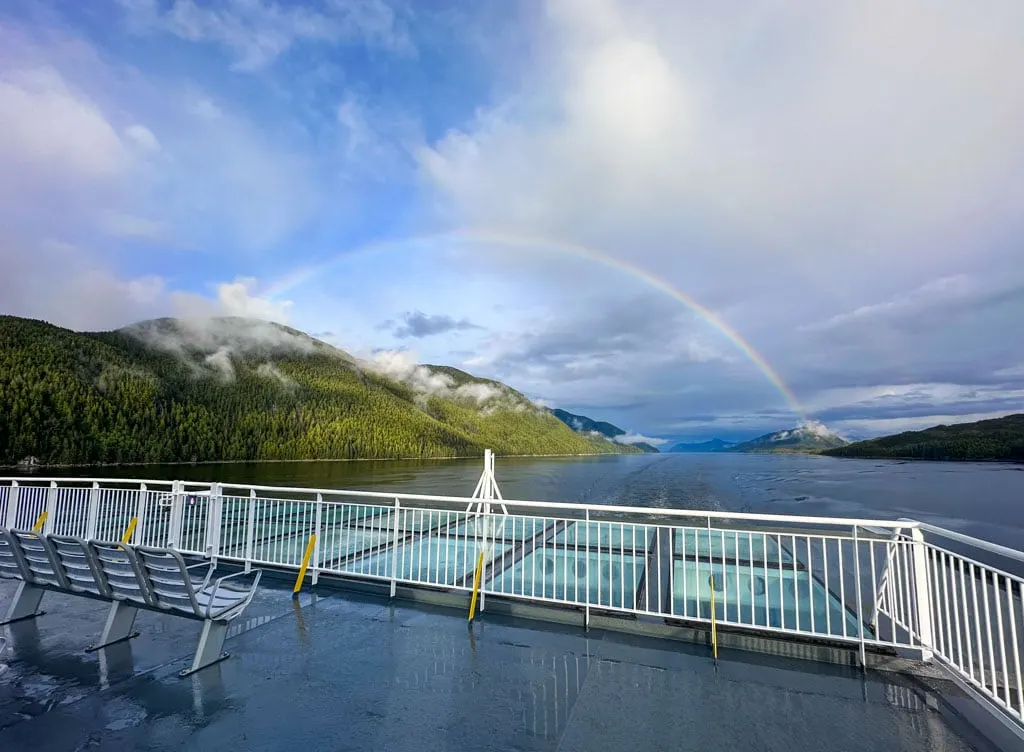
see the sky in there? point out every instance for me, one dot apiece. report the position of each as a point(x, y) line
point(689, 219)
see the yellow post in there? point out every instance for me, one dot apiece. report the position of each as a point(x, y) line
point(40, 521)
point(130, 530)
point(305, 563)
point(476, 585)
point(714, 626)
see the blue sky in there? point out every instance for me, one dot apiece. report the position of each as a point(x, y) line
point(842, 184)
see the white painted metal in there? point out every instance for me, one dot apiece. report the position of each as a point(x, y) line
point(922, 594)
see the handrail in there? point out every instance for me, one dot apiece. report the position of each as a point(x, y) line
point(969, 540)
point(529, 504)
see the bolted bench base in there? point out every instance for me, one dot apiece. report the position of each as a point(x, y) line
point(25, 604)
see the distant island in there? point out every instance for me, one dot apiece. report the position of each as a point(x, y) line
point(588, 426)
point(714, 445)
point(233, 389)
point(995, 439)
point(806, 438)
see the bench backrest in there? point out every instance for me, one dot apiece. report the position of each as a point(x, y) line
point(79, 566)
point(12, 565)
point(38, 556)
point(121, 572)
point(169, 580)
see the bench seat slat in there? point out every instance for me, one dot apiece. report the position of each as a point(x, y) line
point(37, 555)
point(81, 568)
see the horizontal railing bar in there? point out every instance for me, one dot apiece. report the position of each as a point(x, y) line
point(36, 482)
point(646, 512)
point(969, 540)
point(987, 571)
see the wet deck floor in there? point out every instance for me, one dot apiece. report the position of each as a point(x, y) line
point(346, 672)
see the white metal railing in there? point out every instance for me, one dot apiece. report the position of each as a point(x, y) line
point(900, 584)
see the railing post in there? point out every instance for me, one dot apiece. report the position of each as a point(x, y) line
point(394, 552)
point(922, 594)
point(213, 513)
point(51, 508)
point(860, 602)
point(250, 530)
point(586, 572)
point(883, 582)
point(316, 546)
point(12, 505)
point(177, 514)
point(140, 515)
point(484, 548)
point(92, 514)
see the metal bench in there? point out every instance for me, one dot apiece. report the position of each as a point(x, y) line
point(129, 578)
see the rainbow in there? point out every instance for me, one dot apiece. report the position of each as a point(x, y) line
point(303, 274)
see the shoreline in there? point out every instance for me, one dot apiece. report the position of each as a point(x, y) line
point(924, 459)
point(321, 459)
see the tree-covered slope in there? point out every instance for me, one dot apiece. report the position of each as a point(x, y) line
point(581, 424)
point(235, 389)
point(996, 439)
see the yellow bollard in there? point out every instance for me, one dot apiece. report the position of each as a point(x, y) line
point(714, 626)
point(130, 530)
point(305, 563)
point(40, 521)
point(476, 585)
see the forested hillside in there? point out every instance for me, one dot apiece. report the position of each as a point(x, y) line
point(235, 389)
point(587, 426)
point(997, 439)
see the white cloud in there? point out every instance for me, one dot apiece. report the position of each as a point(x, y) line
point(934, 292)
point(271, 371)
point(655, 123)
point(220, 361)
point(76, 158)
point(257, 32)
point(142, 137)
point(49, 126)
point(637, 438)
point(236, 299)
point(425, 382)
point(69, 286)
point(810, 428)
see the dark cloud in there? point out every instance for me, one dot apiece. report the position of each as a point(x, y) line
point(882, 411)
point(417, 324)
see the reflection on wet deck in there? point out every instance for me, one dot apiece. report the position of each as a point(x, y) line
point(349, 672)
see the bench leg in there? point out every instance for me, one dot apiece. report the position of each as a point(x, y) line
point(211, 643)
point(120, 620)
point(25, 604)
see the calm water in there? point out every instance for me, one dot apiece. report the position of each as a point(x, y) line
point(985, 500)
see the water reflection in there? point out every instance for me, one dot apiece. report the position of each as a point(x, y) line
point(41, 678)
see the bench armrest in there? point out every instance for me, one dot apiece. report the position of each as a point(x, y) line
point(212, 613)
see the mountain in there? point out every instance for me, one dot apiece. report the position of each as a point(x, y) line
point(714, 445)
point(583, 424)
point(809, 437)
point(996, 439)
point(173, 390)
